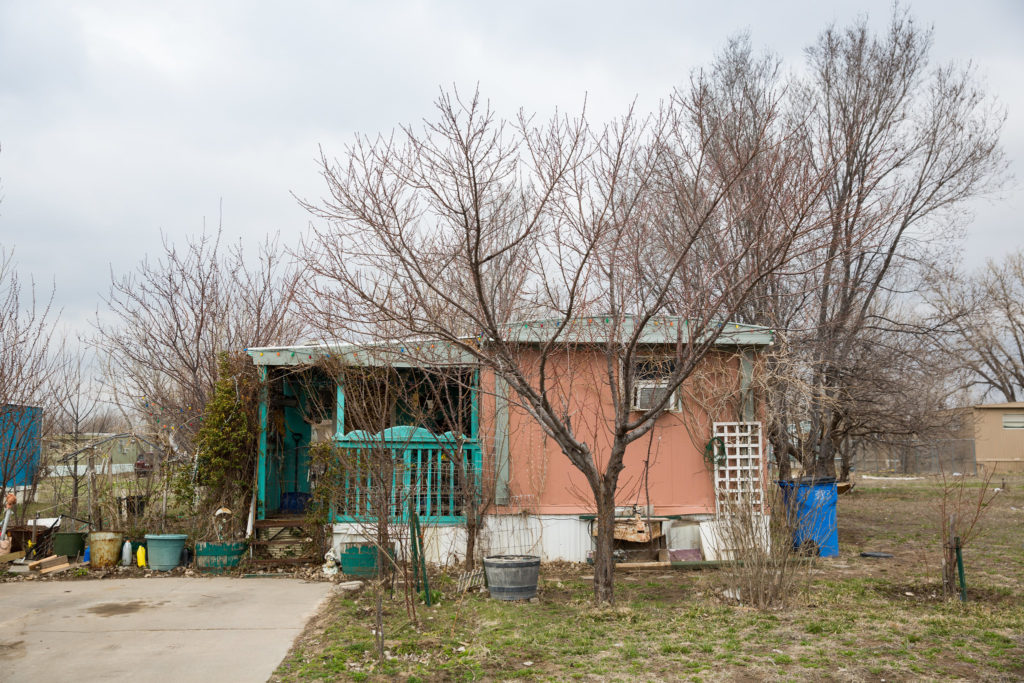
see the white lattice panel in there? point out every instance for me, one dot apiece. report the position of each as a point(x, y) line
point(739, 478)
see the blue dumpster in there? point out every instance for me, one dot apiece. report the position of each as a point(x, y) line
point(811, 510)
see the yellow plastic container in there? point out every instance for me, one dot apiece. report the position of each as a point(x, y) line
point(140, 556)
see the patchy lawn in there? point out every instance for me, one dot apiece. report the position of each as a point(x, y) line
point(859, 619)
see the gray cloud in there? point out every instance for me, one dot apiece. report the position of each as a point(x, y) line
point(121, 119)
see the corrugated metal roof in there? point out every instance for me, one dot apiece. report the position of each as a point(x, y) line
point(658, 330)
point(590, 330)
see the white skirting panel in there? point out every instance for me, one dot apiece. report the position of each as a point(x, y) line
point(553, 537)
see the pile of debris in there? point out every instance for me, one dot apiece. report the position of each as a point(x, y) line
point(54, 564)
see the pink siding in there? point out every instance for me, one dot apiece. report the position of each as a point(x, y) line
point(543, 481)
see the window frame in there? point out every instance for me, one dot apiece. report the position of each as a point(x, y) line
point(675, 402)
point(1017, 422)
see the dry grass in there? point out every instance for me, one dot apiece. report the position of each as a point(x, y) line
point(862, 619)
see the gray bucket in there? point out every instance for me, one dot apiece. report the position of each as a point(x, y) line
point(512, 577)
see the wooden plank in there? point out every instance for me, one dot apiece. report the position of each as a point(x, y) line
point(47, 562)
point(57, 568)
point(703, 564)
point(53, 561)
point(11, 557)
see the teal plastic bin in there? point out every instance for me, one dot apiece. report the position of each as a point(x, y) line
point(163, 551)
point(361, 560)
point(216, 557)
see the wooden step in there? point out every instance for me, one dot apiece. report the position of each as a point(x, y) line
point(283, 560)
point(282, 522)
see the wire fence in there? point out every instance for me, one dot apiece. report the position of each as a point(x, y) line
point(949, 456)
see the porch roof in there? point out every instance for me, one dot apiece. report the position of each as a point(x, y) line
point(399, 354)
point(588, 330)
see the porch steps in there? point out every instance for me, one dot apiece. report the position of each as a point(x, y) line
point(287, 540)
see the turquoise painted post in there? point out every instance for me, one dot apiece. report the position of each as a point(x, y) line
point(407, 476)
point(430, 480)
point(474, 419)
point(459, 452)
point(261, 466)
point(339, 410)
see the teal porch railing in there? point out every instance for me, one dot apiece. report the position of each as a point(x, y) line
point(423, 470)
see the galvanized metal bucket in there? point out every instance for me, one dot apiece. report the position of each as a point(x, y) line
point(104, 548)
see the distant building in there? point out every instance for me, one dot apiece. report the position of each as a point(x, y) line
point(999, 437)
point(68, 454)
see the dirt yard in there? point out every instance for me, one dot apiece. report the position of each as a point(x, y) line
point(855, 619)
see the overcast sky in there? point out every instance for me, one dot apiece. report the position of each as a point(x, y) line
point(122, 119)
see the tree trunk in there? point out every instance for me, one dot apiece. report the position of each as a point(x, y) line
point(825, 460)
point(949, 556)
point(472, 528)
point(93, 515)
point(473, 516)
point(844, 473)
point(781, 451)
point(825, 467)
point(74, 490)
point(949, 570)
point(782, 462)
point(604, 565)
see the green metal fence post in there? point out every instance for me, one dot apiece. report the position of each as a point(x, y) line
point(423, 563)
point(960, 569)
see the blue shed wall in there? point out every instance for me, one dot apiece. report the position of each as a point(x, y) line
point(20, 446)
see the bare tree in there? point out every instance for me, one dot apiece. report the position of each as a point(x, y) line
point(29, 356)
point(465, 232)
point(904, 145)
point(362, 479)
point(80, 412)
point(982, 325)
point(168, 320)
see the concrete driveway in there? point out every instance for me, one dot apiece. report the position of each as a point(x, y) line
point(158, 629)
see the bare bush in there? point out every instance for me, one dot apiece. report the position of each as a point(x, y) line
point(30, 354)
point(763, 568)
point(963, 503)
point(168, 320)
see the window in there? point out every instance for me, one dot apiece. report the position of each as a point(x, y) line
point(1013, 421)
point(650, 381)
